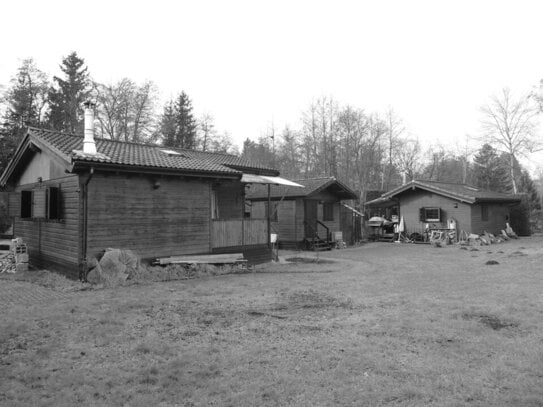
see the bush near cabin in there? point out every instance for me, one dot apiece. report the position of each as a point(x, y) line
point(5, 221)
point(520, 218)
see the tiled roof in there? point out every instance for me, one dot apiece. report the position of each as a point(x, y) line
point(312, 185)
point(461, 192)
point(141, 155)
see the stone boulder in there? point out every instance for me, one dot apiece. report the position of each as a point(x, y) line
point(115, 267)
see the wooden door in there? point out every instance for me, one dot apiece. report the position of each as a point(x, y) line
point(310, 218)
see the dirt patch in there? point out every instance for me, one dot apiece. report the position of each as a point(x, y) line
point(264, 314)
point(490, 321)
point(308, 260)
point(46, 278)
point(312, 299)
point(491, 262)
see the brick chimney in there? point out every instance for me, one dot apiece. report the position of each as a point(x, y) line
point(89, 146)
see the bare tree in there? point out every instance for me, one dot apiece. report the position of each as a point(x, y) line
point(508, 124)
point(394, 131)
point(206, 130)
point(409, 158)
point(126, 111)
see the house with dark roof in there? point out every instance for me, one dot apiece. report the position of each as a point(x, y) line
point(431, 203)
point(309, 216)
point(72, 197)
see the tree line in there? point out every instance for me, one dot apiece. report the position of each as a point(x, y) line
point(126, 111)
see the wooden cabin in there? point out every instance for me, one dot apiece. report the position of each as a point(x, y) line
point(69, 204)
point(308, 217)
point(433, 204)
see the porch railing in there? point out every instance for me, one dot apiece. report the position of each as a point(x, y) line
point(238, 232)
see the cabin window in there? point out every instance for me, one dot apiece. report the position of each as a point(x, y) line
point(53, 203)
point(273, 213)
point(26, 204)
point(484, 213)
point(430, 215)
point(214, 205)
point(328, 212)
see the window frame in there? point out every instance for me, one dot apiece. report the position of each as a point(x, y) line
point(27, 204)
point(53, 203)
point(274, 217)
point(484, 213)
point(328, 211)
point(214, 205)
point(427, 218)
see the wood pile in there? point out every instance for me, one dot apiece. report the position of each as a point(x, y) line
point(233, 258)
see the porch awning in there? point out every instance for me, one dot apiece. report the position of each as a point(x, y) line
point(264, 179)
point(352, 209)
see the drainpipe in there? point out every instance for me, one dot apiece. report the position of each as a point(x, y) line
point(82, 274)
point(269, 213)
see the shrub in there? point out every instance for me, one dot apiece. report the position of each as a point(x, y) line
point(520, 218)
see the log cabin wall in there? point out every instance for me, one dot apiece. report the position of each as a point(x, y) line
point(287, 225)
point(133, 212)
point(412, 201)
point(52, 243)
point(497, 214)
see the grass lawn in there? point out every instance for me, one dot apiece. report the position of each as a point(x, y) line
point(382, 324)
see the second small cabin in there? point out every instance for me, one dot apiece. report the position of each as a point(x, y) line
point(303, 216)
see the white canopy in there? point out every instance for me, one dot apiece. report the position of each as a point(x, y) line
point(264, 179)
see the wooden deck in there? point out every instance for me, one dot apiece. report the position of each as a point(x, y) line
point(238, 232)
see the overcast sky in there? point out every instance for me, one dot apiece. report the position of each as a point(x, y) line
point(250, 62)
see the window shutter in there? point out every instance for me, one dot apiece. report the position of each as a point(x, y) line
point(441, 215)
point(422, 215)
point(26, 204)
point(39, 202)
point(53, 203)
point(14, 204)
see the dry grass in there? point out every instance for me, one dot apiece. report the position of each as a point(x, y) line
point(399, 325)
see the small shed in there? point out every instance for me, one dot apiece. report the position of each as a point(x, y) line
point(434, 204)
point(303, 217)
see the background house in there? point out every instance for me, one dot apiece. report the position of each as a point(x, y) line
point(72, 197)
point(434, 203)
point(300, 213)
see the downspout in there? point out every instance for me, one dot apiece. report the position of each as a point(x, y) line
point(269, 213)
point(82, 274)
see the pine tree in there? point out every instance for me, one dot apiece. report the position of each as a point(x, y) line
point(527, 187)
point(66, 99)
point(25, 101)
point(167, 125)
point(185, 122)
point(27, 96)
point(489, 170)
